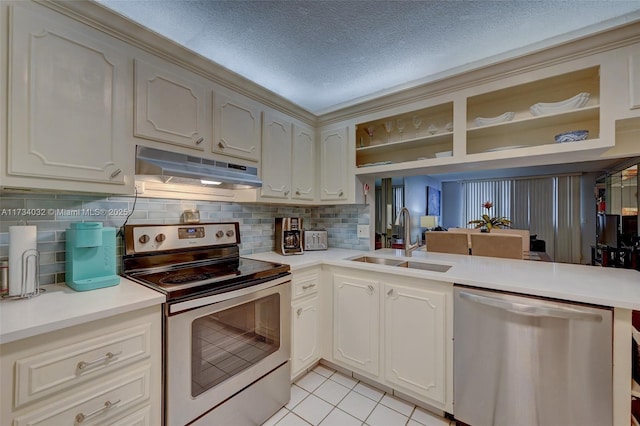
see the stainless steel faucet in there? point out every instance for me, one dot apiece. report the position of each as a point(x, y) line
point(408, 247)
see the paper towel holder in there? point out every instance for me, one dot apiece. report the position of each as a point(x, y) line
point(27, 255)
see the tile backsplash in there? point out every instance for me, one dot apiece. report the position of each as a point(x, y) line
point(53, 214)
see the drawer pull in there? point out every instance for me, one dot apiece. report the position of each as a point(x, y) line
point(370, 287)
point(299, 311)
point(199, 141)
point(390, 292)
point(106, 358)
point(308, 286)
point(116, 173)
point(80, 417)
point(220, 145)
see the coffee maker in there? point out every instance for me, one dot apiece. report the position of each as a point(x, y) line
point(90, 256)
point(289, 235)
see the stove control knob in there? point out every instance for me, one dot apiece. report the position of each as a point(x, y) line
point(160, 238)
point(219, 234)
point(230, 233)
point(144, 239)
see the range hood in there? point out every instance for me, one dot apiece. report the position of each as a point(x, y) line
point(172, 167)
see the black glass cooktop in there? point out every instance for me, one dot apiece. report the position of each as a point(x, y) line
point(185, 281)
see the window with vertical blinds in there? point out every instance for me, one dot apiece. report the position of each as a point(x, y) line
point(548, 207)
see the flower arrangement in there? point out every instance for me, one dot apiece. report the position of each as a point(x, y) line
point(490, 222)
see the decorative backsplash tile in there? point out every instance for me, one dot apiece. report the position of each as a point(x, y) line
point(53, 214)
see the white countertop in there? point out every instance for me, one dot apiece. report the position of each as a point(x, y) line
point(60, 307)
point(613, 287)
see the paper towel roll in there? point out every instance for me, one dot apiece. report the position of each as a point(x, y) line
point(22, 239)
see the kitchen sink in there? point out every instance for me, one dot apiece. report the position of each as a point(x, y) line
point(403, 264)
point(424, 266)
point(377, 260)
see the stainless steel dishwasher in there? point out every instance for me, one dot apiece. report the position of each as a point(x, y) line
point(525, 361)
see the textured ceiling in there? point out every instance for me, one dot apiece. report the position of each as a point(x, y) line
point(325, 55)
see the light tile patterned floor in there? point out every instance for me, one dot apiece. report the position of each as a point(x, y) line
point(328, 398)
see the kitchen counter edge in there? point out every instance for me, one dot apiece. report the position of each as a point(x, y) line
point(60, 307)
point(611, 287)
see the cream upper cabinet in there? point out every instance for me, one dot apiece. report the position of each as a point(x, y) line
point(276, 156)
point(303, 173)
point(171, 106)
point(356, 317)
point(334, 164)
point(237, 127)
point(67, 105)
point(288, 160)
point(416, 339)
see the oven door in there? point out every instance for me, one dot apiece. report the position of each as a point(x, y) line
point(217, 350)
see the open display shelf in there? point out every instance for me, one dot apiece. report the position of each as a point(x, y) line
point(526, 129)
point(424, 133)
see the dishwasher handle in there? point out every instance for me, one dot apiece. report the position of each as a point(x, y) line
point(533, 311)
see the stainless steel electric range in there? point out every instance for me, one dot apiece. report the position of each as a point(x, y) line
point(226, 322)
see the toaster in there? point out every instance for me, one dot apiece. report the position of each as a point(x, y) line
point(315, 240)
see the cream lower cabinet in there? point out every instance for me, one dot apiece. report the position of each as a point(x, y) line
point(105, 372)
point(67, 102)
point(415, 340)
point(356, 322)
point(397, 331)
point(305, 321)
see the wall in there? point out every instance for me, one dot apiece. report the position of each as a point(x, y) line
point(256, 221)
point(415, 200)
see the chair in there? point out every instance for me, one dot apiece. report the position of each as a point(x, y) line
point(524, 233)
point(497, 245)
point(467, 231)
point(447, 242)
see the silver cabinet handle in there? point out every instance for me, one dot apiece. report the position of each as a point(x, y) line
point(199, 141)
point(81, 417)
point(390, 292)
point(532, 311)
point(116, 173)
point(308, 286)
point(297, 192)
point(370, 287)
point(221, 145)
point(341, 193)
point(286, 192)
point(106, 358)
point(299, 311)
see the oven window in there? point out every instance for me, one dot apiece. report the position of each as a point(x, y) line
point(230, 341)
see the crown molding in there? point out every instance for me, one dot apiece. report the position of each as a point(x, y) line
point(103, 19)
point(600, 42)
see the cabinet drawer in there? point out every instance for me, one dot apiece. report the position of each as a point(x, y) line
point(59, 369)
point(304, 285)
point(96, 405)
point(141, 417)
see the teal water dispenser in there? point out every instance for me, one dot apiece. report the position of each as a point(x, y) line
point(91, 256)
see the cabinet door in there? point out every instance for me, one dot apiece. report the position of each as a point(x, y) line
point(305, 330)
point(356, 316)
point(67, 102)
point(333, 163)
point(237, 127)
point(170, 108)
point(415, 345)
point(303, 176)
point(276, 157)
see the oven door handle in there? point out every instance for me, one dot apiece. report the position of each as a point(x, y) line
point(208, 300)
